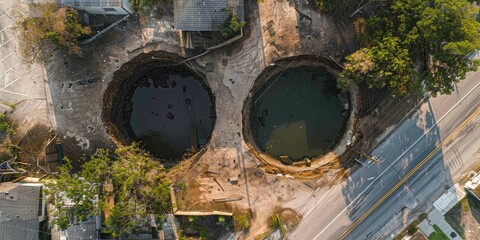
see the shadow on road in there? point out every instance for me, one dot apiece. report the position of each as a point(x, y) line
point(410, 155)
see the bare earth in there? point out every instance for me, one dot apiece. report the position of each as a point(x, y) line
point(65, 94)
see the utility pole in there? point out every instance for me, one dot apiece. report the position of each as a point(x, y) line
point(367, 156)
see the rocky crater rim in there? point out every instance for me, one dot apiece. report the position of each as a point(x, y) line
point(344, 138)
point(116, 101)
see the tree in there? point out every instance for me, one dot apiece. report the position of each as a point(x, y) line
point(232, 26)
point(139, 187)
point(76, 196)
point(147, 6)
point(130, 177)
point(241, 221)
point(325, 5)
point(4, 124)
point(54, 26)
point(417, 43)
point(386, 64)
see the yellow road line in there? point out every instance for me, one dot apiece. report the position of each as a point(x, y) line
point(452, 135)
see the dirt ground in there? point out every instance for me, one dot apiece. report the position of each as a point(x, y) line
point(207, 182)
point(226, 176)
point(465, 218)
point(32, 148)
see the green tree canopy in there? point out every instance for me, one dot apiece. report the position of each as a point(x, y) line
point(57, 26)
point(129, 179)
point(232, 26)
point(411, 42)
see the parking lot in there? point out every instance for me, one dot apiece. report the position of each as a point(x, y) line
point(22, 85)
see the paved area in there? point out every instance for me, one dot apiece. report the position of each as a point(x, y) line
point(449, 199)
point(426, 227)
point(442, 205)
point(436, 218)
point(333, 210)
point(21, 84)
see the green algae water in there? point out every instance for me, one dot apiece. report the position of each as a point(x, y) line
point(298, 113)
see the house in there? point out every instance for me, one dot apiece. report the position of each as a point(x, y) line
point(89, 229)
point(99, 7)
point(83, 230)
point(205, 15)
point(473, 186)
point(22, 209)
point(200, 22)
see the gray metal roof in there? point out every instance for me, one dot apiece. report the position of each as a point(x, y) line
point(20, 229)
point(19, 201)
point(83, 230)
point(19, 211)
point(205, 15)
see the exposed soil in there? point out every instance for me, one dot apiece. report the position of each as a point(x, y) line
point(32, 149)
point(288, 217)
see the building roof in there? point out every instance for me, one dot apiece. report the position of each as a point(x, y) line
point(92, 3)
point(205, 15)
point(83, 230)
point(20, 229)
point(19, 210)
point(474, 184)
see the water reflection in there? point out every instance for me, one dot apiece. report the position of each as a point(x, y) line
point(298, 114)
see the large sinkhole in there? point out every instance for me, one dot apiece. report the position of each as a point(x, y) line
point(295, 110)
point(161, 103)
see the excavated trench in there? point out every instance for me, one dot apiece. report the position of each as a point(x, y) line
point(295, 111)
point(158, 101)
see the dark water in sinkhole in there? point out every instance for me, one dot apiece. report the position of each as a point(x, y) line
point(173, 116)
point(299, 114)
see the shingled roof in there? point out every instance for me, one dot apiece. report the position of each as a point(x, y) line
point(19, 211)
point(205, 15)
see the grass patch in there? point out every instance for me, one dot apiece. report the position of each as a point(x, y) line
point(241, 220)
point(4, 124)
point(465, 205)
point(6, 128)
point(438, 234)
point(455, 226)
point(453, 217)
point(283, 219)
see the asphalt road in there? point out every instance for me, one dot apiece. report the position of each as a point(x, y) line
point(330, 212)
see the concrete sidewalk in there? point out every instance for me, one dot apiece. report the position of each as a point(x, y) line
point(436, 218)
point(442, 205)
